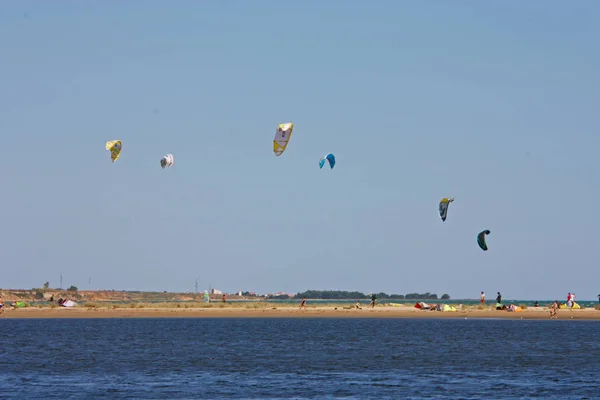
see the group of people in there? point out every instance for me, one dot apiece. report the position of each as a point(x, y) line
point(357, 305)
point(13, 304)
point(17, 303)
point(498, 299)
point(570, 304)
point(570, 299)
point(499, 306)
point(371, 303)
point(2, 307)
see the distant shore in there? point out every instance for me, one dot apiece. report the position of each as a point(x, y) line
point(293, 312)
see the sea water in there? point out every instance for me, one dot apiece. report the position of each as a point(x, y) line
point(299, 358)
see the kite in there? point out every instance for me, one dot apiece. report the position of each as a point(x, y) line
point(444, 203)
point(166, 161)
point(282, 137)
point(329, 157)
point(481, 239)
point(115, 147)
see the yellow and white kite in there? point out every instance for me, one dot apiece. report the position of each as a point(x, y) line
point(115, 147)
point(282, 137)
point(443, 207)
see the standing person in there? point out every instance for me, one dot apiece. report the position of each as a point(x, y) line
point(599, 299)
point(554, 310)
point(373, 300)
point(569, 299)
point(303, 304)
point(224, 298)
point(499, 298)
point(482, 298)
point(572, 299)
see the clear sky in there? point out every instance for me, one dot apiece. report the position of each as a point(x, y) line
point(494, 103)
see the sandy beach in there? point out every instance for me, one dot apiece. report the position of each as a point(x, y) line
point(293, 312)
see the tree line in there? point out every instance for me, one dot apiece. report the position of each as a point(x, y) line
point(342, 294)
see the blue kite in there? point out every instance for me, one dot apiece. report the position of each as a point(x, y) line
point(329, 157)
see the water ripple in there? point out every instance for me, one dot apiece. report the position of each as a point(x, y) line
point(298, 359)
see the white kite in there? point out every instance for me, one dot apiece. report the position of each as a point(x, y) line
point(282, 137)
point(167, 161)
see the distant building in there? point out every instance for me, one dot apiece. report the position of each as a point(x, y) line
point(216, 291)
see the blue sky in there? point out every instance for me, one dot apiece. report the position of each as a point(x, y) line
point(494, 103)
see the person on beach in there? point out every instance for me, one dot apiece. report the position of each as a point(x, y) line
point(482, 298)
point(357, 305)
point(599, 299)
point(224, 298)
point(499, 298)
point(373, 300)
point(569, 297)
point(554, 310)
point(2, 305)
point(303, 304)
point(536, 304)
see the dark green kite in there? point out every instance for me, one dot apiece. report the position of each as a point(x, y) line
point(481, 239)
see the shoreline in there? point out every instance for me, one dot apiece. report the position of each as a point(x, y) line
point(292, 312)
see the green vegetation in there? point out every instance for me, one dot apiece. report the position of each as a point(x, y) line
point(331, 295)
point(422, 296)
point(342, 294)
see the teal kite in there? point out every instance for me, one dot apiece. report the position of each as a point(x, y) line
point(329, 157)
point(481, 239)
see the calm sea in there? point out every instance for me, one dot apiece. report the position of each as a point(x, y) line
point(299, 359)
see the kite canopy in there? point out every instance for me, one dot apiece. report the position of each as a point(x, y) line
point(167, 161)
point(114, 146)
point(444, 203)
point(329, 157)
point(282, 137)
point(481, 239)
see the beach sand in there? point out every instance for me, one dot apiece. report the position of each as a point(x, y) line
point(292, 312)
